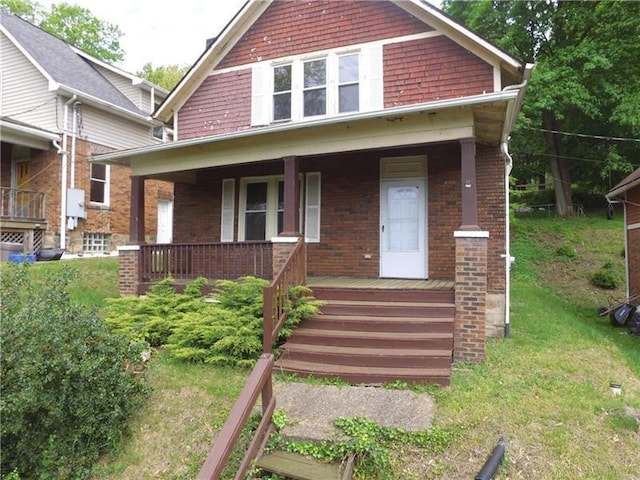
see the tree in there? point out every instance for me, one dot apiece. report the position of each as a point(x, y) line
point(74, 24)
point(167, 76)
point(585, 83)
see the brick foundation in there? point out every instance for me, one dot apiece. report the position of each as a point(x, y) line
point(471, 297)
point(128, 270)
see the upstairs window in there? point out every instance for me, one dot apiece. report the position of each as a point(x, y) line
point(349, 83)
point(337, 82)
point(315, 88)
point(99, 184)
point(282, 93)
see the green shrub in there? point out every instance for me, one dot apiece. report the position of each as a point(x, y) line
point(566, 251)
point(604, 278)
point(227, 331)
point(68, 385)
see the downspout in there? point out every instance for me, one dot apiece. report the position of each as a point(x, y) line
point(63, 175)
point(504, 148)
point(73, 143)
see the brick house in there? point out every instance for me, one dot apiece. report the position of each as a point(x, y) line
point(375, 131)
point(59, 107)
point(627, 192)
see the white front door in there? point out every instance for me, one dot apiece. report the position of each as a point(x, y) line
point(402, 229)
point(165, 221)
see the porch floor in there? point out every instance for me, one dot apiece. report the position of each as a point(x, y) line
point(382, 283)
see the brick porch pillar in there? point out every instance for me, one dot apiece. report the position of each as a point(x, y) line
point(128, 270)
point(469, 336)
point(282, 248)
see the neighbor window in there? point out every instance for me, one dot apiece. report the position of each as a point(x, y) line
point(95, 243)
point(99, 184)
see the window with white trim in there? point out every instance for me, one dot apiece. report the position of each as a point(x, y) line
point(315, 86)
point(261, 208)
point(99, 193)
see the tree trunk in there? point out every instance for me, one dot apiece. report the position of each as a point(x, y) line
point(559, 167)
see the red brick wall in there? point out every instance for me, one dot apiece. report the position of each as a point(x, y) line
point(295, 27)
point(633, 243)
point(221, 104)
point(350, 216)
point(633, 208)
point(491, 212)
point(432, 69)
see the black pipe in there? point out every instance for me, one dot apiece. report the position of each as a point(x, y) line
point(493, 461)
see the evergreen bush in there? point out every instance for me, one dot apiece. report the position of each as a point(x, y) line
point(68, 384)
point(225, 331)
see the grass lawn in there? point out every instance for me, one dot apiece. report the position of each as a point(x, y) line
point(545, 388)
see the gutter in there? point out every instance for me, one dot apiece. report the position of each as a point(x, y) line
point(512, 114)
point(63, 174)
point(503, 96)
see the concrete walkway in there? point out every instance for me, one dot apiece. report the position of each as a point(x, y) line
point(312, 409)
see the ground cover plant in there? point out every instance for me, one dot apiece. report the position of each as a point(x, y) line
point(227, 330)
point(68, 384)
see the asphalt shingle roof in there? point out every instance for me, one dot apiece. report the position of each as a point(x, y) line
point(64, 65)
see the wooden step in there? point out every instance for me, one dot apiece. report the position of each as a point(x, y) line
point(382, 294)
point(298, 467)
point(372, 339)
point(367, 357)
point(365, 375)
point(388, 309)
point(370, 323)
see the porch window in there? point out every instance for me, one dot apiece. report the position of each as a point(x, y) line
point(333, 83)
point(263, 208)
point(99, 184)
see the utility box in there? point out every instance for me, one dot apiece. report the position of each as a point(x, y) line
point(75, 203)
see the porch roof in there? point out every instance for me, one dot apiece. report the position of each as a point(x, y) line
point(20, 133)
point(487, 117)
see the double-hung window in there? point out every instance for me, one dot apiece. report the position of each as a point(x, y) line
point(312, 86)
point(261, 207)
point(262, 203)
point(99, 193)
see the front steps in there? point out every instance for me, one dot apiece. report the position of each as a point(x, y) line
point(375, 336)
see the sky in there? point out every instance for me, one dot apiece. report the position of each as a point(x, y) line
point(163, 33)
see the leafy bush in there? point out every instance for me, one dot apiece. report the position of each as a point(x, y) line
point(604, 278)
point(566, 251)
point(227, 331)
point(68, 385)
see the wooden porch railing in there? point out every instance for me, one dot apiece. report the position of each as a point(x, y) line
point(210, 260)
point(259, 382)
point(25, 205)
point(292, 273)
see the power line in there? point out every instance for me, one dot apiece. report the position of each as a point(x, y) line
point(584, 135)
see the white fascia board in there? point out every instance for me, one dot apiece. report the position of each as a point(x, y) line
point(101, 104)
point(19, 46)
point(514, 106)
point(28, 136)
point(210, 58)
point(504, 96)
point(622, 189)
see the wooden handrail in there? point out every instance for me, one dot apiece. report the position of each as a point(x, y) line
point(258, 383)
point(275, 296)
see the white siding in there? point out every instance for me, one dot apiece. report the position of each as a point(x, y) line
point(114, 131)
point(25, 91)
point(125, 85)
